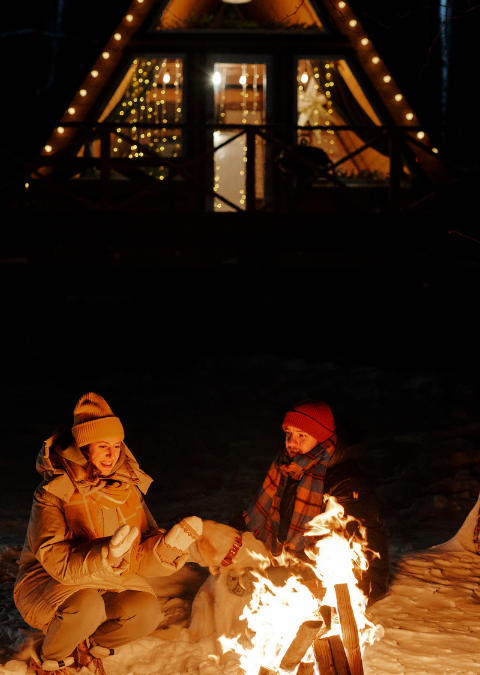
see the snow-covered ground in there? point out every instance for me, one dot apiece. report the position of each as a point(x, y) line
point(207, 435)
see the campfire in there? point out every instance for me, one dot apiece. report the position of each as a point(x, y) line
point(314, 620)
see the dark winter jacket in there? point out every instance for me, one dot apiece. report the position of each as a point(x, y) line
point(348, 483)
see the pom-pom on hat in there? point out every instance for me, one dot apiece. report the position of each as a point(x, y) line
point(93, 420)
point(313, 417)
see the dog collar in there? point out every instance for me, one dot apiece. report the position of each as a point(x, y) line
point(228, 560)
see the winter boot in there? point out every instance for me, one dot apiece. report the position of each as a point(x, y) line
point(40, 665)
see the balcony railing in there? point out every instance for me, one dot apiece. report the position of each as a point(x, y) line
point(58, 173)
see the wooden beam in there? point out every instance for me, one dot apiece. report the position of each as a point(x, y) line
point(323, 656)
point(349, 629)
point(300, 643)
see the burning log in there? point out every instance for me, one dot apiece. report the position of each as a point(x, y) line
point(339, 655)
point(324, 657)
point(349, 629)
point(306, 668)
point(301, 642)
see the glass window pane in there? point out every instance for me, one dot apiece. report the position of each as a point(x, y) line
point(328, 94)
point(239, 99)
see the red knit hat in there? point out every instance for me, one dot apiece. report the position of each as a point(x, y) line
point(313, 417)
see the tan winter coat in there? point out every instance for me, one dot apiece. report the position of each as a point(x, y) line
point(58, 559)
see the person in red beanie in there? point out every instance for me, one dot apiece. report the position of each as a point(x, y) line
point(314, 464)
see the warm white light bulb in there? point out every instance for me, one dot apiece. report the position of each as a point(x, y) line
point(60, 130)
point(364, 41)
point(48, 148)
point(304, 78)
point(83, 92)
point(71, 111)
point(342, 5)
point(243, 79)
point(421, 134)
point(94, 73)
point(435, 150)
point(166, 78)
point(352, 23)
point(398, 97)
point(376, 60)
point(217, 78)
point(409, 116)
point(129, 18)
point(387, 78)
point(117, 36)
point(106, 55)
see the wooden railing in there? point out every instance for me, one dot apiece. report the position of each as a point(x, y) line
point(57, 169)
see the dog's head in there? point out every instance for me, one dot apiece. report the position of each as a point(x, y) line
point(216, 541)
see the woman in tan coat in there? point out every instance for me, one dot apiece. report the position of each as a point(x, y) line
point(91, 541)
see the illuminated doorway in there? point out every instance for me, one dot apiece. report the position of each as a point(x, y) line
point(239, 99)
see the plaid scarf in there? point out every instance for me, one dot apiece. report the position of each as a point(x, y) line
point(263, 514)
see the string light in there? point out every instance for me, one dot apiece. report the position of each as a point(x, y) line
point(342, 5)
point(166, 78)
point(129, 18)
point(48, 148)
point(60, 130)
point(364, 41)
point(83, 92)
point(71, 111)
point(94, 73)
point(435, 150)
point(304, 77)
point(409, 116)
point(105, 55)
point(376, 59)
point(117, 36)
point(387, 78)
point(398, 97)
point(352, 23)
point(421, 134)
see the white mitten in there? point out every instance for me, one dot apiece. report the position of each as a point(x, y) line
point(184, 533)
point(121, 541)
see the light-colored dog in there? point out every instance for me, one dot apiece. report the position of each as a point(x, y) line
point(221, 599)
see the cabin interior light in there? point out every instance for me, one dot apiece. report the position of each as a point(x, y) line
point(217, 77)
point(304, 77)
point(243, 79)
point(166, 78)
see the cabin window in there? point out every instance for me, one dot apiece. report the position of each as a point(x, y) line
point(147, 105)
point(329, 95)
point(239, 99)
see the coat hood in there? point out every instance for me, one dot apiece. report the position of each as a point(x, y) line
point(63, 467)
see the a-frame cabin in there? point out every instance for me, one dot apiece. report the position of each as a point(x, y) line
point(211, 105)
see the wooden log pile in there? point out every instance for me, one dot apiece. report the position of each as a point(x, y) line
point(334, 655)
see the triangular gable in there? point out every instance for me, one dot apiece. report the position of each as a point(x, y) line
point(138, 18)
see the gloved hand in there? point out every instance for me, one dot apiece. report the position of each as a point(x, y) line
point(184, 533)
point(120, 543)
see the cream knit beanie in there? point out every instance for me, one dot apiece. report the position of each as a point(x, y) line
point(93, 420)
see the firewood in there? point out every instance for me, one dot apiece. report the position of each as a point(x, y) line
point(266, 671)
point(323, 655)
point(301, 642)
point(349, 629)
point(339, 656)
point(306, 668)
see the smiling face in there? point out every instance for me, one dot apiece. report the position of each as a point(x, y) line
point(104, 454)
point(298, 442)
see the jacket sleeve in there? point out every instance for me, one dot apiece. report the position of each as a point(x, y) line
point(64, 559)
point(349, 485)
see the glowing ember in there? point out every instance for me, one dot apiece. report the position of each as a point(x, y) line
point(277, 610)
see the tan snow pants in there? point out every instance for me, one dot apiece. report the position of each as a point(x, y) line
point(110, 620)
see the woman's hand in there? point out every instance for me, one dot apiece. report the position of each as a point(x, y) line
point(120, 543)
point(183, 534)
